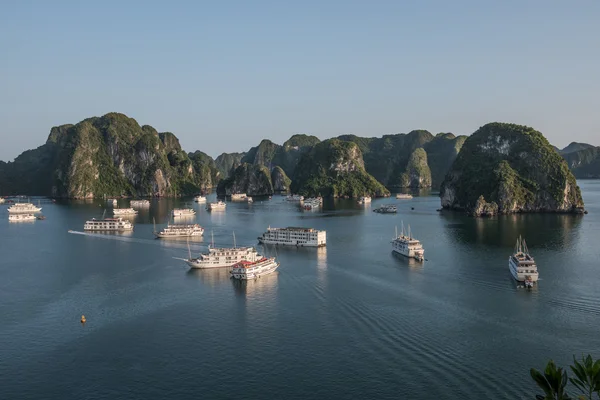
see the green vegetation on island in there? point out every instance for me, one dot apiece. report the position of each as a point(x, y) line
point(512, 167)
point(335, 168)
point(254, 180)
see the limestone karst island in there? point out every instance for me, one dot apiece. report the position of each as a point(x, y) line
point(501, 168)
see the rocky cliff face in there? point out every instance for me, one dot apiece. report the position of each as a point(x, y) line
point(584, 163)
point(254, 180)
point(335, 168)
point(418, 174)
point(110, 155)
point(281, 182)
point(388, 158)
point(513, 167)
point(227, 162)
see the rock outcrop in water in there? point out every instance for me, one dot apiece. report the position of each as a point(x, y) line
point(110, 155)
point(513, 168)
point(335, 168)
point(254, 180)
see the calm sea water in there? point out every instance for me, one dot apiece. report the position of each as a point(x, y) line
point(351, 321)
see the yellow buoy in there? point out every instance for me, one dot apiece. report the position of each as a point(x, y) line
point(83, 319)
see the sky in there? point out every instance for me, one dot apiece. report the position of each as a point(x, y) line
point(223, 75)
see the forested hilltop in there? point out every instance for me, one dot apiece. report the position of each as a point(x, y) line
point(113, 155)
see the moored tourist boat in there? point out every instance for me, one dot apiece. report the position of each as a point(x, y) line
point(294, 197)
point(364, 200)
point(407, 245)
point(24, 208)
point(21, 217)
point(522, 266)
point(183, 212)
point(1, 200)
point(294, 236)
point(250, 199)
point(404, 196)
point(108, 224)
point(311, 204)
point(238, 197)
point(112, 202)
point(245, 270)
point(219, 205)
point(220, 257)
point(200, 199)
point(139, 203)
point(179, 231)
point(124, 211)
point(386, 209)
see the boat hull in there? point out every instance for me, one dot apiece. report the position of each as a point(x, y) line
point(410, 254)
point(291, 244)
point(253, 275)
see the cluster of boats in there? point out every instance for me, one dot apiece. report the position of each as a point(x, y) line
point(386, 209)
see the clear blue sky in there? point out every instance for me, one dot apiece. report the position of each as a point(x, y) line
point(222, 75)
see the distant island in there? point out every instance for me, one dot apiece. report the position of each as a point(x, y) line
point(113, 155)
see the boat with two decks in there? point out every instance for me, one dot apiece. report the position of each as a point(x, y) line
point(219, 205)
point(200, 199)
point(406, 245)
point(183, 212)
point(108, 225)
point(139, 203)
point(364, 200)
point(522, 265)
point(246, 270)
point(294, 236)
point(221, 257)
point(386, 209)
point(23, 208)
point(404, 196)
point(21, 217)
point(175, 231)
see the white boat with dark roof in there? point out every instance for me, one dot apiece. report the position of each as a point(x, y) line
point(386, 209)
point(246, 270)
point(108, 224)
point(407, 245)
point(294, 236)
point(522, 266)
point(24, 208)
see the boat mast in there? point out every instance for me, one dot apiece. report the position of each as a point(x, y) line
point(189, 251)
point(402, 229)
point(409, 232)
point(234, 246)
point(395, 237)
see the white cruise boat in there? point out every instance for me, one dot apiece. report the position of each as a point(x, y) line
point(291, 236)
point(221, 257)
point(21, 217)
point(180, 230)
point(238, 197)
point(408, 246)
point(219, 205)
point(139, 203)
point(24, 208)
point(200, 199)
point(245, 270)
point(250, 199)
point(522, 266)
point(403, 196)
point(294, 197)
point(124, 211)
point(108, 224)
point(1, 200)
point(364, 200)
point(386, 209)
point(183, 212)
